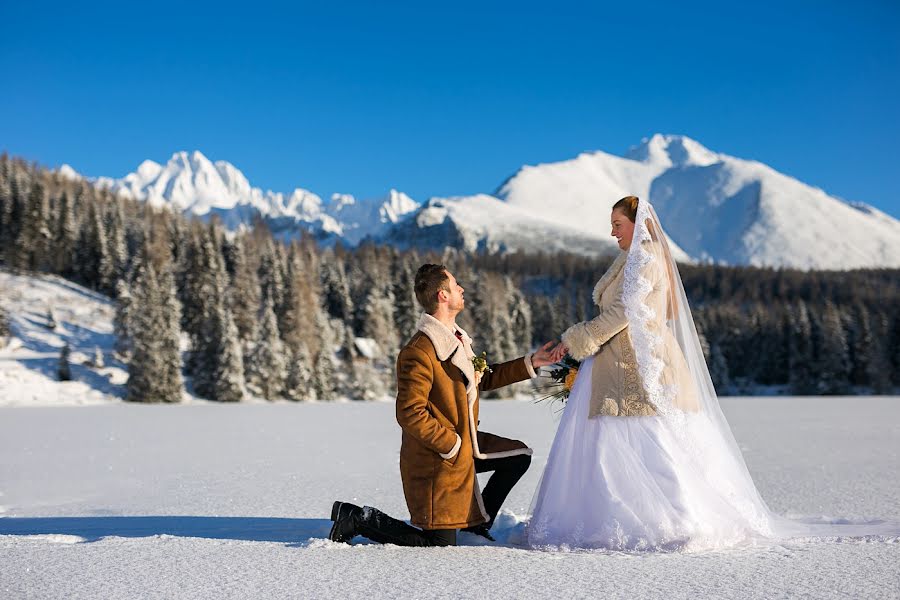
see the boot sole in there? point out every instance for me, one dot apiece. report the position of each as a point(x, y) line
point(336, 510)
point(334, 534)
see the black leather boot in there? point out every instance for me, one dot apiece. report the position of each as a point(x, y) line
point(351, 520)
point(345, 517)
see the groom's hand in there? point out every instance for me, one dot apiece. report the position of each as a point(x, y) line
point(547, 355)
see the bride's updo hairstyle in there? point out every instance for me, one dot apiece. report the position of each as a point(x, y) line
point(628, 205)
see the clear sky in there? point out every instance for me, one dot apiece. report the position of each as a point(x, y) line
point(450, 98)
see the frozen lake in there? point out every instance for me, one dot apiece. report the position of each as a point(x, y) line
point(203, 500)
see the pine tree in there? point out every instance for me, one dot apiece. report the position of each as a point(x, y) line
point(336, 289)
point(202, 290)
point(154, 371)
point(879, 367)
point(346, 340)
point(5, 330)
point(121, 319)
point(271, 277)
point(861, 346)
point(245, 299)
point(323, 376)
point(64, 372)
point(13, 209)
point(894, 345)
point(800, 351)
point(833, 361)
point(718, 369)
point(170, 338)
point(298, 386)
point(6, 207)
point(520, 316)
point(50, 318)
point(66, 237)
point(217, 363)
point(406, 307)
point(92, 255)
point(194, 288)
point(562, 313)
point(542, 323)
point(113, 267)
point(309, 297)
point(492, 322)
point(379, 321)
point(267, 371)
point(229, 375)
point(32, 242)
point(292, 313)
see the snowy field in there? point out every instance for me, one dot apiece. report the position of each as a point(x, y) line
point(211, 501)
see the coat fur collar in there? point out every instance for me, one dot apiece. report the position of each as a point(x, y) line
point(447, 346)
point(611, 273)
point(443, 339)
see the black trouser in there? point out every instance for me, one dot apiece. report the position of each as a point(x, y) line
point(507, 473)
point(385, 529)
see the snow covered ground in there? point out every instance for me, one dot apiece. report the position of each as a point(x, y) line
point(222, 501)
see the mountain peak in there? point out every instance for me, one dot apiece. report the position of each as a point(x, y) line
point(68, 172)
point(190, 160)
point(672, 151)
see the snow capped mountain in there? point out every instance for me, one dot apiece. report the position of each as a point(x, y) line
point(191, 183)
point(714, 207)
point(729, 210)
point(371, 218)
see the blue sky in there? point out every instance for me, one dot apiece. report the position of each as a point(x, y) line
point(451, 98)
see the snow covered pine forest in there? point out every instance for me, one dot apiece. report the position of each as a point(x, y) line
point(240, 315)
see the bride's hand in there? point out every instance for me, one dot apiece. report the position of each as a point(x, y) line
point(559, 352)
point(545, 356)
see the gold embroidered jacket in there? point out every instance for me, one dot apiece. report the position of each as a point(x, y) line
point(616, 387)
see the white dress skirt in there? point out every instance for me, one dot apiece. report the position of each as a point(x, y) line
point(623, 483)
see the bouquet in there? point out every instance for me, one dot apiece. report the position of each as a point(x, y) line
point(558, 385)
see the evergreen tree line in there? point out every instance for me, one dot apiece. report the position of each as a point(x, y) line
point(232, 314)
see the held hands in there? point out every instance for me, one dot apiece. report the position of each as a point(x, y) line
point(548, 355)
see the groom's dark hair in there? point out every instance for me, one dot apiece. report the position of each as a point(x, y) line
point(430, 279)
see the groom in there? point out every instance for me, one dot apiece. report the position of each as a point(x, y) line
point(441, 448)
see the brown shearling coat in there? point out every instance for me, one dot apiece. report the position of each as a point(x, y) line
point(437, 409)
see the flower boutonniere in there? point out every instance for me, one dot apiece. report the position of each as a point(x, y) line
point(480, 364)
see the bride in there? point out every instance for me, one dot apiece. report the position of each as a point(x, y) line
point(643, 458)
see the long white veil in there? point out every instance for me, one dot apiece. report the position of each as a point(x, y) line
point(682, 391)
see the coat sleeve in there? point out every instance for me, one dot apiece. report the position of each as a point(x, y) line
point(585, 339)
point(415, 377)
point(507, 373)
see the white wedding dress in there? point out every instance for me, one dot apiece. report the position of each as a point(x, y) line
point(624, 483)
point(675, 481)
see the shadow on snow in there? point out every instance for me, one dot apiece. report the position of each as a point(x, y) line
point(295, 532)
